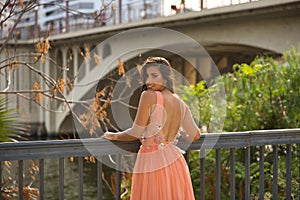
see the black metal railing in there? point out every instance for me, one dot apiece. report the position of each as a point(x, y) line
point(61, 149)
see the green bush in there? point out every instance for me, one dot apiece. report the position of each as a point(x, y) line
point(264, 94)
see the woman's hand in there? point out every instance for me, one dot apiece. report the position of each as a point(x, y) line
point(110, 136)
point(120, 136)
point(190, 138)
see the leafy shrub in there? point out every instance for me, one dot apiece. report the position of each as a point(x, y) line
point(264, 94)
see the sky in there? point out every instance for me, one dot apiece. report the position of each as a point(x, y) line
point(195, 4)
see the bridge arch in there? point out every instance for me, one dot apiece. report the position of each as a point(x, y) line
point(141, 41)
point(227, 34)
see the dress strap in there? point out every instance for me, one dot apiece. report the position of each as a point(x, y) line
point(156, 120)
point(159, 98)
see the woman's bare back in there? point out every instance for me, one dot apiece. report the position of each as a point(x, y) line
point(172, 117)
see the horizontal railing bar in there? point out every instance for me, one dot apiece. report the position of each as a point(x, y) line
point(275, 137)
point(245, 139)
point(26, 150)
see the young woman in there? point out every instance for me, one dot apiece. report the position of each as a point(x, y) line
point(160, 171)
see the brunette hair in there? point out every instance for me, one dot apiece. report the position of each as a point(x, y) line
point(164, 67)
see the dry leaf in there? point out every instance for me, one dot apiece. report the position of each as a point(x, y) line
point(97, 59)
point(61, 85)
point(42, 58)
point(36, 86)
point(113, 182)
point(96, 112)
point(21, 4)
point(16, 64)
point(87, 52)
point(43, 48)
point(52, 90)
point(121, 70)
point(82, 54)
point(38, 96)
point(47, 45)
point(69, 84)
point(11, 65)
point(92, 159)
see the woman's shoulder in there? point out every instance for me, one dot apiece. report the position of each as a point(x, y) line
point(148, 93)
point(148, 96)
point(182, 104)
point(179, 99)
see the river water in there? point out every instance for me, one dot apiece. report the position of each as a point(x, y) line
point(71, 181)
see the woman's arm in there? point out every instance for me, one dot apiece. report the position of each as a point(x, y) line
point(191, 131)
point(148, 98)
point(130, 134)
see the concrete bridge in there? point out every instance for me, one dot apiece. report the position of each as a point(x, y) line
point(229, 35)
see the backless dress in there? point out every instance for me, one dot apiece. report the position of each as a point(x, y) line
point(160, 171)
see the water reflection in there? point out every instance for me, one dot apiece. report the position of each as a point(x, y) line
point(71, 181)
point(71, 178)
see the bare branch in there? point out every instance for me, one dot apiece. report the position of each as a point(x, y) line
point(28, 6)
point(39, 104)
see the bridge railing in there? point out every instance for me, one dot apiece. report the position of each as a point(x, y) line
point(61, 149)
point(127, 12)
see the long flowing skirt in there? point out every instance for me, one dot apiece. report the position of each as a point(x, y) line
point(161, 174)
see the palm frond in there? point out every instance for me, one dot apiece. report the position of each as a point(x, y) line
point(10, 128)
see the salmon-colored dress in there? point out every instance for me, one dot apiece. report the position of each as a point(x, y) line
point(160, 171)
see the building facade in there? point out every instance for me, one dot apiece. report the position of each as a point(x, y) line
point(49, 17)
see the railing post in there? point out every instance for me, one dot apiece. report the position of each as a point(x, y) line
point(42, 177)
point(61, 178)
point(1, 179)
point(247, 173)
point(201, 5)
point(288, 171)
point(186, 156)
point(202, 174)
point(299, 171)
point(80, 177)
point(99, 178)
point(20, 166)
point(275, 172)
point(118, 177)
point(261, 172)
point(232, 173)
point(218, 177)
